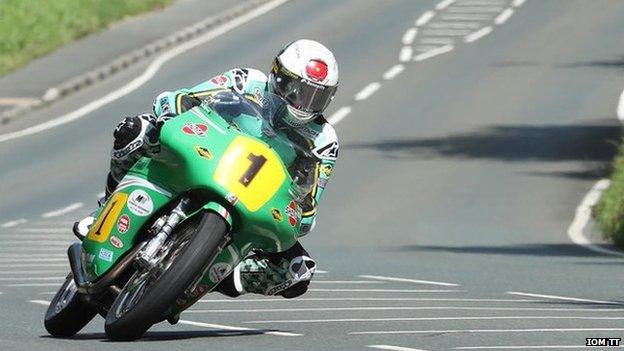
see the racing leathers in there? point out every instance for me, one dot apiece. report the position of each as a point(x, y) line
point(286, 273)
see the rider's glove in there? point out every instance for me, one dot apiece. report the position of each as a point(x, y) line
point(133, 134)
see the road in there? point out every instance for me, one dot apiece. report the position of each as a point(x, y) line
point(459, 174)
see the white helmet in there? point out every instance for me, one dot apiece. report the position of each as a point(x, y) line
point(305, 74)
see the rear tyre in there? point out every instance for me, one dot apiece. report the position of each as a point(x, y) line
point(146, 297)
point(67, 313)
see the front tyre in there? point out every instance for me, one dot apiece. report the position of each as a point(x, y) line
point(147, 296)
point(67, 313)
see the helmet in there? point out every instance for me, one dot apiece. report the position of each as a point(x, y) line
point(305, 74)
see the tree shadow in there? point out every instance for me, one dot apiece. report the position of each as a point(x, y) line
point(566, 250)
point(510, 143)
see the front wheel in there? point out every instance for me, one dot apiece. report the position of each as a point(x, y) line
point(67, 313)
point(149, 293)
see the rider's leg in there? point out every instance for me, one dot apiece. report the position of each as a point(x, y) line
point(287, 274)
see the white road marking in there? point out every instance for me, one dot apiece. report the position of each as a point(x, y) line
point(385, 290)
point(405, 54)
point(524, 347)
point(393, 71)
point(345, 282)
point(339, 115)
point(475, 9)
point(582, 217)
point(14, 223)
point(437, 40)
point(27, 272)
point(464, 17)
point(33, 265)
point(424, 18)
point(367, 91)
point(477, 331)
point(58, 230)
point(435, 52)
point(425, 319)
point(148, 74)
point(393, 348)
point(476, 35)
point(444, 4)
point(620, 108)
point(517, 3)
point(405, 280)
point(365, 299)
point(40, 302)
point(31, 278)
point(34, 243)
point(408, 37)
point(62, 211)
point(318, 271)
point(424, 48)
point(30, 285)
point(564, 298)
point(227, 327)
point(504, 16)
point(446, 32)
point(16, 260)
point(20, 101)
point(480, 3)
point(455, 25)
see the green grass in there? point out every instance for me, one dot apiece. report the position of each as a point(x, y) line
point(32, 28)
point(609, 212)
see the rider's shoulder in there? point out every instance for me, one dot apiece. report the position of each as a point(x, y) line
point(243, 78)
point(325, 138)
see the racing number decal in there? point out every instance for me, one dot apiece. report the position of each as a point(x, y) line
point(257, 161)
point(250, 170)
point(101, 230)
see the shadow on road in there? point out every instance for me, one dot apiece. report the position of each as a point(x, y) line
point(569, 250)
point(617, 63)
point(510, 143)
point(171, 335)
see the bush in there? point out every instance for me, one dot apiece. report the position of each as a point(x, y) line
point(609, 212)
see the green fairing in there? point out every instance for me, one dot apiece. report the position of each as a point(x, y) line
point(179, 168)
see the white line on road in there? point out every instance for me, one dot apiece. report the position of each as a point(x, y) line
point(582, 217)
point(464, 17)
point(339, 115)
point(367, 91)
point(523, 347)
point(40, 302)
point(34, 243)
point(446, 32)
point(408, 37)
point(26, 272)
point(504, 16)
point(365, 299)
point(345, 282)
point(454, 25)
point(32, 278)
point(58, 230)
point(517, 3)
point(14, 223)
point(393, 71)
point(430, 319)
point(385, 290)
point(405, 54)
point(620, 108)
point(16, 260)
point(564, 298)
point(33, 265)
point(476, 35)
point(475, 9)
point(444, 4)
point(424, 18)
point(147, 75)
point(405, 308)
point(64, 210)
point(435, 52)
point(477, 331)
point(227, 327)
point(405, 280)
point(393, 348)
point(29, 285)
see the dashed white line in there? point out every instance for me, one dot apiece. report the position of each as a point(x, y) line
point(464, 17)
point(437, 40)
point(367, 91)
point(477, 331)
point(446, 32)
point(339, 115)
point(227, 327)
point(620, 108)
point(408, 37)
point(345, 282)
point(424, 18)
point(405, 54)
point(14, 223)
point(405, 280)
point(393, 71)
point(456, 25)
point(366, 299)
point(40, 302)
point(517, 3)
point(564, 298)
point(474, 36)
point(431, 319)
point(504, 16)
point(393, 348)
point(444, 4)
point(582, 217)
point(435, 52)
point(523, 347)
point(480, 9)
point(386, 290)
point(62, 211)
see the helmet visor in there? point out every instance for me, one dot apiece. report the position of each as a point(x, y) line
point(301, 93)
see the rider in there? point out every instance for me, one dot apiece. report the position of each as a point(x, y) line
point(305, 75)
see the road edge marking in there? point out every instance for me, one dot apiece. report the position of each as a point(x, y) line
point(406, 280)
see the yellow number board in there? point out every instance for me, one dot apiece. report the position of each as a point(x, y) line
point(101, 230)
point(251, 171)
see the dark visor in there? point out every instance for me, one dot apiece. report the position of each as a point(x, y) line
point(302, 93)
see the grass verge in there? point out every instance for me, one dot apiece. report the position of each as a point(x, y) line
point(609, 211)
point(33, 28)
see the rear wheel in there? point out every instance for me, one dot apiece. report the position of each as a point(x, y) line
point(149, 293)
point(67, 313)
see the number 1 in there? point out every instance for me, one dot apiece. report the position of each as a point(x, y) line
point(257, 161)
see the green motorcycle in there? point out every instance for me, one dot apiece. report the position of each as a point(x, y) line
point(180, 222)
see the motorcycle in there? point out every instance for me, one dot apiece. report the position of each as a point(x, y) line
point(179, 222)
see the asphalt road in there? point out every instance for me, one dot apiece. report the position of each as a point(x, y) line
point(460, 174)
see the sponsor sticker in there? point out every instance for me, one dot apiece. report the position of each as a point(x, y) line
point(277, 214)
point(327, 170)
point(278, 288)
point(231, 198)
point(140, 203)
point(123, 224)
point(199, 291)
point(292, 213)
point(106, 255)
point(203, 152)
point(195, 129)
point(218, 271)
point(116, 242)
point(220, 80)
